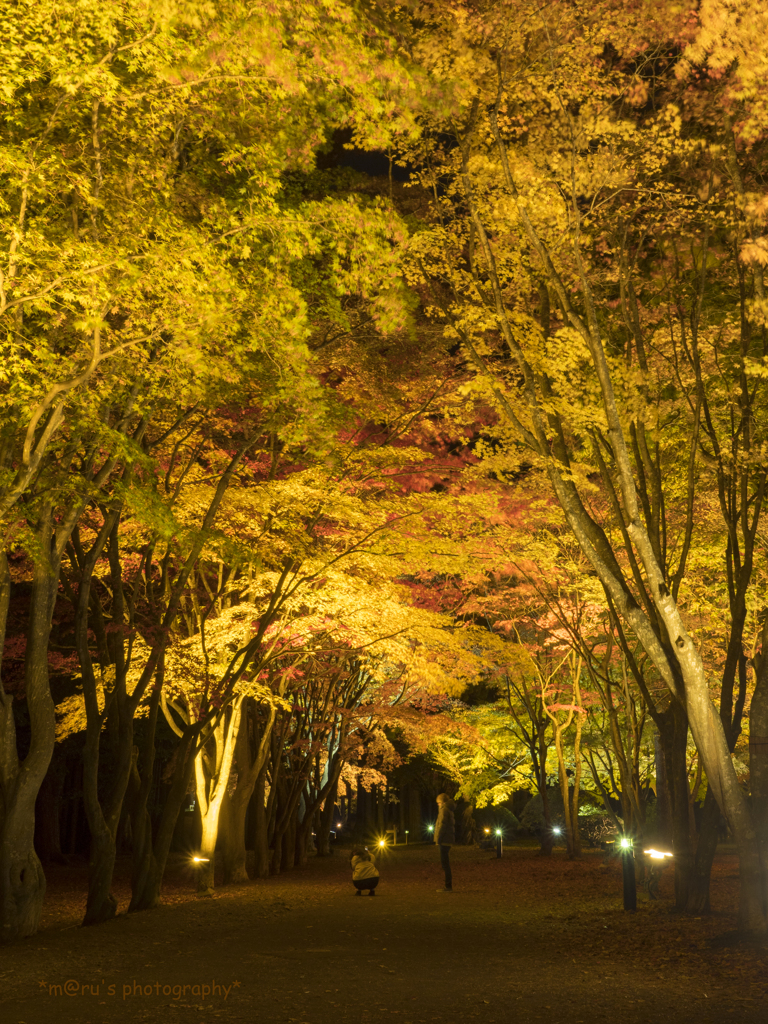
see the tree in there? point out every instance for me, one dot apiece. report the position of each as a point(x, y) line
point(570, 141)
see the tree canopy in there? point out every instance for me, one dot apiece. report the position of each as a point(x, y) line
point(305, 470)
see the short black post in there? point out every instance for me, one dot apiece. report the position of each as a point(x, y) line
point(498, 843)
point(628, 873)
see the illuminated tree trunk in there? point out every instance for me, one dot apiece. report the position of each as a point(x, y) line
point(213, 764)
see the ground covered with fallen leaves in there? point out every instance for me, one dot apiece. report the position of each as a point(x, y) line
point(520, 939)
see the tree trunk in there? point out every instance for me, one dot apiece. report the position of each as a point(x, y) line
point(758, 751)
point(698, 887)
point(103, 821)
point(547, 836)
point(142, 772)
point(250, 765)
point(150, 867)
point(22, 881)
point(303, 840)
point(288, 859)
point(207, 861)
point(323, 840)
point(211, 785)
point(674, 742)
point(260, 829)
point(48, 813)
point(663, 800)
point(234, 809)
point(380, 809)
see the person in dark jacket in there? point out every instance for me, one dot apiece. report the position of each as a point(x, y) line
point(445, 836)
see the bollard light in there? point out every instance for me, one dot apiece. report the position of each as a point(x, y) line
point(628, 873)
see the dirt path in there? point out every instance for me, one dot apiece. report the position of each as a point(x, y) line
point(520, 939)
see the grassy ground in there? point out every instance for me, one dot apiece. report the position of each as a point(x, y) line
point(520, 939)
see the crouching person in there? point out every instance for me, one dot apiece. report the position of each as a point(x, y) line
point(365, 874)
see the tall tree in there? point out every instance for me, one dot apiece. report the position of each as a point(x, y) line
point(561, 177)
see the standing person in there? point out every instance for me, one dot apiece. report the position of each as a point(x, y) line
point(365, 874)
point(445, 836)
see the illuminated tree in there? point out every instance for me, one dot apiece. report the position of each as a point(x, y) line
point(590, 169)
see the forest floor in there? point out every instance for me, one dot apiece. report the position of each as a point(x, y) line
point(520, 939)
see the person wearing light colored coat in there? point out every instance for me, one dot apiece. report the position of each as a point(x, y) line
point(365, 874)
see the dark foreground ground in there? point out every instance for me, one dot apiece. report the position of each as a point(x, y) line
point(520, 939)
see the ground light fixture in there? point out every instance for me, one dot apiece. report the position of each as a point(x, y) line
point(556, 829)
point(201, 860)
point(628, 873)
point(382, 842)
point(654, 870)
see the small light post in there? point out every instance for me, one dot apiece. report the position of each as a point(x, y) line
point(431, 829)
point(654, 870)
point(628, 873)
point(498, 842)
point(406, 837)
point(198, 861)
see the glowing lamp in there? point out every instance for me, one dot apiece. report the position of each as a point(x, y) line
point(556, 830)
point(498, 831)
point(201, 860)
point(657, 854)
point(625, 843)
point(382, 842)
